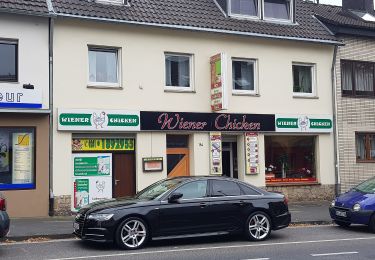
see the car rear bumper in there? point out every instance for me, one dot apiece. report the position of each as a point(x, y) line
point(354, 217)
point(4, 224)
point(282, 221)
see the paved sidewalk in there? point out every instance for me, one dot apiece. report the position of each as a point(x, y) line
point(62, 227)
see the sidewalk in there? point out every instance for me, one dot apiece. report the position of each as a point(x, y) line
point(62, 227)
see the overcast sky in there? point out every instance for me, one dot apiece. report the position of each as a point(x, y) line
point(331, 2)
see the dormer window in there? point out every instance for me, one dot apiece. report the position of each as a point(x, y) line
point(274, 10)
point(244, 7)
point(277, 9)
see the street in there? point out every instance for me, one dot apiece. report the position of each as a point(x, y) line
point(310, 242)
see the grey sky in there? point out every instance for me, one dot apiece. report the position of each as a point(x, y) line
point(331, 2)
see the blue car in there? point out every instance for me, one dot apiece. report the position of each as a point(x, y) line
point(357, 206)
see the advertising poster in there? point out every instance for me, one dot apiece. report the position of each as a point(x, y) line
point(215, 155)
point(22, 158)
point(92, 178)
point(4, 152)
point(98, 144)
point(252, 153)
point(218, 80)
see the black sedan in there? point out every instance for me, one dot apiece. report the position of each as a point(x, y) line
point(184, 207)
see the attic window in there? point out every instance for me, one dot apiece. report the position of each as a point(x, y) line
point(277, 9)
point(244, 7)
point(364, 16)
point(112, 2)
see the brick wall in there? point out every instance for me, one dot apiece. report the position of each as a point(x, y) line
point(353, 114)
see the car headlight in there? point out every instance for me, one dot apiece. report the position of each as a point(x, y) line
point(333, 203)
point(100, 217)
point(357, 207)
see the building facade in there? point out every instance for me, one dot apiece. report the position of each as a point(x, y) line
point(141, 98)
point(24, 107)
point(354, 25)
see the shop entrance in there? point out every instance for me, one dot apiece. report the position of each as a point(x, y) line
point(178, 163)
point(123, 175)
point(229, 159)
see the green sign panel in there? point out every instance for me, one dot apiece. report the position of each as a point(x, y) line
point(287, 123)
point(321, 123)
point(92, 166)
point(123, 120)
point(75, 119)
point(303, 123)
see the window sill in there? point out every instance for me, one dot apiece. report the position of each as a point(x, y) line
point(177, 90)
point(305, 96)
point(250, 94)
point(281, 184)
point(104, 87)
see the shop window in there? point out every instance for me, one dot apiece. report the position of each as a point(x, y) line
point(277, 9)
point(357, 78)
point(303, 79)
point(17, 158)
point(104, 67)
point(177, 141)
point(365, 147)
point(225, 188)
point(8, 61)
point(290, 159)
point(193, 190)
point(178, 72)
point(244, 7)
point(243, 76)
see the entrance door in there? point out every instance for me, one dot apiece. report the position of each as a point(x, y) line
point(178, 163)
point(229, 159)
point(123, 174)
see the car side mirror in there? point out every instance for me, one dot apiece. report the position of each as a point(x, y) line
point(174, 197)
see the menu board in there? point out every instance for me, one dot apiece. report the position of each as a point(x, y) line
point(215, 153)
point(22, 158)
point(252, 153)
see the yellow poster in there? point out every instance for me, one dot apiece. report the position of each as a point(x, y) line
point(102, 144)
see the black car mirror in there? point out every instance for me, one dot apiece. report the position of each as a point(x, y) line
point(174, 197)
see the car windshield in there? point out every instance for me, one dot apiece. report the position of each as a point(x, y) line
point(155, 191)
point(367, 186)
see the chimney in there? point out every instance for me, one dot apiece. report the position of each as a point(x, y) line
point(359, 5)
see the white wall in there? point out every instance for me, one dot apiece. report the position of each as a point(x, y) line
point(33, 58)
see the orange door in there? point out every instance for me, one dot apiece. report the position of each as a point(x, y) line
point(178, 162)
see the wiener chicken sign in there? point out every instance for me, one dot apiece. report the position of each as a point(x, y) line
point(218, 82)
point(220, 122)
point(98, 120)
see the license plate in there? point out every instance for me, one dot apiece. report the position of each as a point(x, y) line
point(75, 226)
point(341, 213)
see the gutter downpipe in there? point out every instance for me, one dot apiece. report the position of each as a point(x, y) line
point(51, 211)
point(335, 133)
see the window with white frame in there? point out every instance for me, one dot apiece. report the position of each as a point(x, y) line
point(277, 9)
point(243, 76)
point(8, 61)
point(104, 67)
point(244, 7)
point(303, 79)
point(178, 72)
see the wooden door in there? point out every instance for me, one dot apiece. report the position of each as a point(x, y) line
point(124, 175)
point(178, 163)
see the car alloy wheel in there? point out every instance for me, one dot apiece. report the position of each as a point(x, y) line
point(258, 226)
point(132, 233)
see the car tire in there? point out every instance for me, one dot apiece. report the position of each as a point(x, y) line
point(372, 223)
point(258, 226)
point(342, 223)
point(132, 233)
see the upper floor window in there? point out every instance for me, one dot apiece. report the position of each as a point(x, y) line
point(104, 67)
point(365, 146)
point(277, 9)
point(303, 79)
point(244, 7)
point(357, 78)
point(243, 76)
point(178, 72)
point(8, 61)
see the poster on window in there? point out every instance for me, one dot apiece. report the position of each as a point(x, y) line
point(218, 82)
point(215, 153)
point(92, 178)
point(4, 152)
point(22, 158)
point(252, 153)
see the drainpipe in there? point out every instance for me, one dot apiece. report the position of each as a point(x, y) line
point(335, 133)
point(50, 44)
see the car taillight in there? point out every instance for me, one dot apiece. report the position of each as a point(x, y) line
point(2, 204)
point(285, 200)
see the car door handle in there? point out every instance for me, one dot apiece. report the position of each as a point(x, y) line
point(203, 205)
point(241, 203)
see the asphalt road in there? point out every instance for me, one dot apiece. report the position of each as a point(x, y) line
point(316, 242)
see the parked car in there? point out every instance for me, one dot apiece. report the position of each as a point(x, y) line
point(357, 206)
point(184, 207)
point(4, 218)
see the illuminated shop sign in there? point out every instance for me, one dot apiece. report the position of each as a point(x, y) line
point(304, 123)
point(223, 122)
